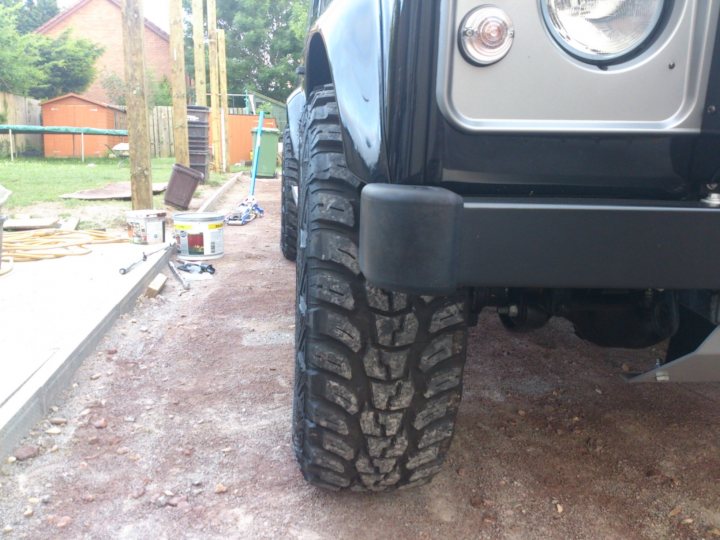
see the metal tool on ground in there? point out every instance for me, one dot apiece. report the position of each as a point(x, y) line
point(185, 284)
point(249, 209)
point(195, 268)
point(145, 256)
point(245, 212)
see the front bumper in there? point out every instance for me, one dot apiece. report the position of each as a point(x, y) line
point(429, 240)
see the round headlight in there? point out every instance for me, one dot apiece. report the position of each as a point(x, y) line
point(486, 35)
point(602, 30)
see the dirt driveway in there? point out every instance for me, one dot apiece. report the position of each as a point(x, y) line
point(178, 426)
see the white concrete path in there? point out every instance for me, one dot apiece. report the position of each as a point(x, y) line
point(51, 313)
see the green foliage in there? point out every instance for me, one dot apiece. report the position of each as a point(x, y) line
point(40, 66)
point(32, 14)
point(18, 56)
point(158, 93)
point(114, 86)
point(264, 44)
point(299, 20)
point(68, 65)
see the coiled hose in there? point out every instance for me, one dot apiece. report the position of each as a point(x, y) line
point(41, 244)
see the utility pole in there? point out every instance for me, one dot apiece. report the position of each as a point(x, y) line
point(224, 109)
point(199, 48)
point(137, 110)
point(179, 88)
point(214, 87)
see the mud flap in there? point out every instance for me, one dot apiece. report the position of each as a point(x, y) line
point(703, 365)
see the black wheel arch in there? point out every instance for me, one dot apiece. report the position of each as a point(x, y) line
point(347, 47)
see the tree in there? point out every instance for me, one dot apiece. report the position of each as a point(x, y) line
point(159, 93)
point(264, 44)
point(32, 13)
point(40, 66)
point(68, 65)
point(19, 57)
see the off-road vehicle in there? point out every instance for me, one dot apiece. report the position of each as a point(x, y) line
point(544, 158)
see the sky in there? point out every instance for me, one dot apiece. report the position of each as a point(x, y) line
point(155, 10)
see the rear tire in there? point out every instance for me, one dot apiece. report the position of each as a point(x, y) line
point(378, 374)
point(288, 217)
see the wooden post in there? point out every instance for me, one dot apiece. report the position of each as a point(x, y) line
point(214, 87)
point(224, 107)
point(179, 88)
point(12, 146)
point(199, 44)
point(137, 110)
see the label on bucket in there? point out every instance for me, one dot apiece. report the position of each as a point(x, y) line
point(146, 227)
point(200, 239)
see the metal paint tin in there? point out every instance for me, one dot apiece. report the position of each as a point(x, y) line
point(146, 226)
point(199, 235)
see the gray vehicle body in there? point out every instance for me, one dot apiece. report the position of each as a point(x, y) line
point(541, 88)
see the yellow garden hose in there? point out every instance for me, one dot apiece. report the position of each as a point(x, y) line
point(25, 246)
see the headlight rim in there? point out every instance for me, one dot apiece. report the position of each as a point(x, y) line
point(659, 22)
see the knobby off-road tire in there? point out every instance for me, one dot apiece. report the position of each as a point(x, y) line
point(288, 217)
point(378, 374)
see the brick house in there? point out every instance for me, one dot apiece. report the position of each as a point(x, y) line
point(100, 21)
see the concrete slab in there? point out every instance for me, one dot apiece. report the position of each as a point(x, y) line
point(51, 314)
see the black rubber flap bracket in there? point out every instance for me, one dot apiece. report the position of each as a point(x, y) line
point(408, 237)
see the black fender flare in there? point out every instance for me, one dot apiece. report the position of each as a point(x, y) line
point(347, 47)
point(295, 106)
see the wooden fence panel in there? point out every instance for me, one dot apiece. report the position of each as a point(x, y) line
point(19, 110)
point(161, 132)
point(240, 138)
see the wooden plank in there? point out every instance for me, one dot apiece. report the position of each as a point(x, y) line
point(70, 224)
point(158, 135)
point(158, 127)
point(160, 141)
point(180, 140)
point(171, 129)
point(161, 133)
point(137, 111)
point(30, 224)
point(153, 132)
point(225, 115)
point(156, 286)
point(199, 53)
point(168, 132)
point(214, 86)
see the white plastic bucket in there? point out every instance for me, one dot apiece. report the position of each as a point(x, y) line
point(199, 235)
point(146, 226)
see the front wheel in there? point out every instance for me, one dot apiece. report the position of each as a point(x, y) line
point(378, 373)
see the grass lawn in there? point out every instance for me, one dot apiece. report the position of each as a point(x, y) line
point(34, 181)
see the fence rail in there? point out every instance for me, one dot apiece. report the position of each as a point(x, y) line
point(162, 136)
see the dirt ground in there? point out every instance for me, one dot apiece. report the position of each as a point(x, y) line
point(178, 426)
